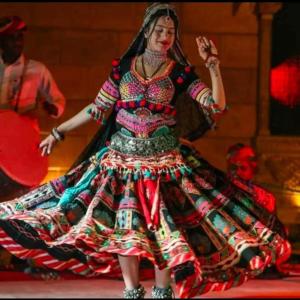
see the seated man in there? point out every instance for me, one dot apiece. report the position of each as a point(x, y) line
point(241, 169)
point(25, 84)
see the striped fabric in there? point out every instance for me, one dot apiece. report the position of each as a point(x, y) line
point(106, 98)
point(199, 91)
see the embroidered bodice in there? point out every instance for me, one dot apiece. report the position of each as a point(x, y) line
point(138, 119)
point(157, 90)
point(145, 108)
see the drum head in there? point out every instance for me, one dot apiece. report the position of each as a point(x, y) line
point(20, 157)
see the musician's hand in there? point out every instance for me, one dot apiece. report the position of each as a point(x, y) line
point(47, 145)
point(51, 109)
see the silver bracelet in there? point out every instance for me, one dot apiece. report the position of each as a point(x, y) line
point(212, 62)
point(59, 136)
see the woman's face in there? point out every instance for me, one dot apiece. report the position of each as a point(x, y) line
point(162, 36)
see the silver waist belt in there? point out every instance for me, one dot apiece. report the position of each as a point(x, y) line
point(143, 147)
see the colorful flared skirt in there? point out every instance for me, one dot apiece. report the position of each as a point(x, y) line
point(174, 209)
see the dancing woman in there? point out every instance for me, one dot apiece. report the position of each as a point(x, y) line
point(137, 192)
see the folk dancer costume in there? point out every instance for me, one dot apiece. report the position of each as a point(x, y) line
point(143, 193)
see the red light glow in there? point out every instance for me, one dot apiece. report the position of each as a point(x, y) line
point(285, 82)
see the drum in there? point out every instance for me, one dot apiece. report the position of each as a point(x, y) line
point(21, 163)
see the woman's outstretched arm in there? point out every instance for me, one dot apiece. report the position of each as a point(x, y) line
point(209, 53)
point(76, 121)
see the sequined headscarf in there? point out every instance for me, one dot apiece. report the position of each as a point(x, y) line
point(152, 12)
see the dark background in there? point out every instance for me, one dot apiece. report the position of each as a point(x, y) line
point(285, 120)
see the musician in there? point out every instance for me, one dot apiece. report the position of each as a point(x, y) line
point(24, 85)
point(242, 166)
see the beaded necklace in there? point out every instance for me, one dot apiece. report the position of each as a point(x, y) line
point(154, 58)
point(147, 77)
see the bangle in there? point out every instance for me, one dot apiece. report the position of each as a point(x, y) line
point(210, 55)
point(59, 136)
point(212, 62)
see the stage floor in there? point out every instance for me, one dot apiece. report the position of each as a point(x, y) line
point(288, 287)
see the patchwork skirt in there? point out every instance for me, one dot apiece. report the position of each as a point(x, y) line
point(174, 209)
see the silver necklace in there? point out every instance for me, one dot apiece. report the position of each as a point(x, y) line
point(147, 77)
point(154, 58)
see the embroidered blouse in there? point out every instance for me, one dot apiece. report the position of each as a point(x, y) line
point(145, 106)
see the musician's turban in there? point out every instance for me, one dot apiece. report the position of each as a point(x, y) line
point(11, 24)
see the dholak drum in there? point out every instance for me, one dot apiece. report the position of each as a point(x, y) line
point(21, 163)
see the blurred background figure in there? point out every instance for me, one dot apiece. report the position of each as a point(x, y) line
point(25, 86)
point(242, 166)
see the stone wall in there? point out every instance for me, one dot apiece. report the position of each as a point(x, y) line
point(236, 39)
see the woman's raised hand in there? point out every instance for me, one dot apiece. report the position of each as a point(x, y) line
point(47, 144)
point(206, 47)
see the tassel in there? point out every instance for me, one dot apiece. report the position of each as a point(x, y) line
point(189, 171)
point(132, 104)
point(143, 103)
point(177, 174)
point(110, 172)
point(151, 106)
point(173, 175)
point(135, 176)
point(147, 174)
point(168, 177)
